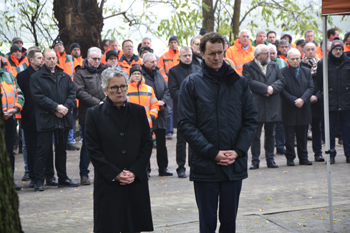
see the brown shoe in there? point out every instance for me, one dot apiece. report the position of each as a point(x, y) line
point(84, 181)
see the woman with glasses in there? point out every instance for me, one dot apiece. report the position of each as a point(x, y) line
point(119, 144)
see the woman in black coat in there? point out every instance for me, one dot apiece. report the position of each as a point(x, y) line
point(119, 144)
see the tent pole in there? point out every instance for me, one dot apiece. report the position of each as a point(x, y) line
point(326, 120)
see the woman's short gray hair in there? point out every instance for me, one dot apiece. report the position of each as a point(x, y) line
point(111, 72)
point(93, 49)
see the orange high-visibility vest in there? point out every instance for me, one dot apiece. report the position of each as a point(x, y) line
point(239, 56)
point(167, 61)
point(142, 94)
point(319, 52)
point(11, 94)
point(123, 63)
point(346, 47)
point(283, 58)
point(8, 67)
point(67, 63)
point(79, 61)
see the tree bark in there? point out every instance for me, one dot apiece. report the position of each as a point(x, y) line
point(235, 19)
point(9, 215)
point(208, 16)
point(79, 21)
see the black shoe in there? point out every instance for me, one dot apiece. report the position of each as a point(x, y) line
point(181, 173)
point(254, 166)
point(305, 162)
point(281, 151)
point(18, 187)
point(51, 181)
point(38, 187)
point(332, 159)
point(148, 175)
point(272, 164)
point(164, 173)
point(85, 180)
point(347, 159)
point(290, 163)
point(319, 158)
point(31, 184)
point(67, 183)
point(25, 176)
point(72, 146)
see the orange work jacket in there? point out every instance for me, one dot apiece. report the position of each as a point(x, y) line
point(283, 58)
point(67, 63)
point(123, 63)
point(167, 61)
point(79, 61)
point(9, 68)
point(239, 56)
point(103, 59)
point(346, 47)
point(142, 94)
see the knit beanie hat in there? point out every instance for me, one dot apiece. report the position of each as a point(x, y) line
point(14, 48)
point(56, 41)
point(73, 46)
point(135, 68)
point(110, 53)
point(203, 31)
point(173, 38)
point(145, 48)
point(337, 43)
point(16, 39)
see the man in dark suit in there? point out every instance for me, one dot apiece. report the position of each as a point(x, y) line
point(266, 82)
point(296, 107)
point(176, 75)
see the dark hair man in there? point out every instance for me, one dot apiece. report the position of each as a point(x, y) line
point(196, 53)
point(218, 118)
point(54, 97)
point(339, 98)
point(271, 38)
point(176, 75)
point(266, 82)
point(332, 33)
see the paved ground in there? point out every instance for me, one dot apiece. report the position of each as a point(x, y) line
point(272, 200)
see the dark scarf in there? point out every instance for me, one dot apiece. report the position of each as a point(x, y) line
point(150, 73)
point(295, 71)
point(336, 60)
point(91, 69)
point(218, 75)
point(185, 66)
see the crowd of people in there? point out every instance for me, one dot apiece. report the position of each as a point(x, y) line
point(218, 96)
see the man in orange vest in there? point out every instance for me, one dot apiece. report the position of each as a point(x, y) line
point(113, 45)
point(242, 51)
point(300, 46)
point(283, 47)
point(167, 61)
point(68, 64)
point(104, 46)
point(128, 59)
point(16, 58)
point(76, 53)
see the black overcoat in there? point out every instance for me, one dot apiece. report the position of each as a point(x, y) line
point(269, 107)
point(294, 89)
point(117, 140)
point(176, 75)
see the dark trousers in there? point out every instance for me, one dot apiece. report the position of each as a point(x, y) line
point(279, 137)
point(208, 195)
point(44, 144)
point(345, 125)
point(162, 153)
point(84, 157)
point(30, 137)
point(10, 130)
point(180, 151)
point(269, 142)
point(316, 135)
point(300, 132)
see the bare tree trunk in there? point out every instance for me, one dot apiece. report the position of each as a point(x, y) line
point(80, 21)
point(9, 215)
point(235, 19)
point(208, 16)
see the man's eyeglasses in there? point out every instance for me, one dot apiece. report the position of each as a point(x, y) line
point(265, 53)
point(221, 53)
point(116, 88)
point(96, 58)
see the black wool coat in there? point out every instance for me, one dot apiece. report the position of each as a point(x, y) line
point(294, 89)
point(117, 140)
point(269, 107)
point(316, 108)
point(176, 75)
point(47, 94)
point(28, 111)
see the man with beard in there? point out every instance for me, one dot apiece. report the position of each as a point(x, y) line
point(266, 82)
point(339, 95)
point(196, 53)
point(176, 75)
point(310, 61)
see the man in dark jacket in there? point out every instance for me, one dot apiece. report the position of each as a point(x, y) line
point(155, 79)
point(339, 95)
point(296, 107)
point(176, 75)
point(87, 80)
point(218, 118)
point(310, 61)
point(54, 96)
point(28, 123)
point(266, 82)
point(196, 53)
